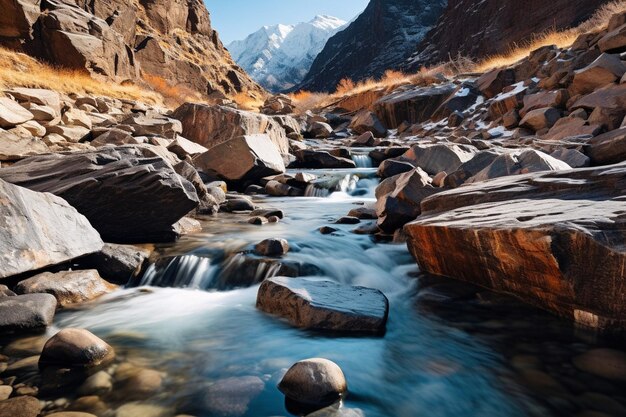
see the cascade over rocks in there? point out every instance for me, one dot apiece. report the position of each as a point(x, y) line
point(324, 305)
point(122, 191)
point(38, 230)
point(553, 239)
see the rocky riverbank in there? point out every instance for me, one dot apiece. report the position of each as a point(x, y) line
point(512, 180)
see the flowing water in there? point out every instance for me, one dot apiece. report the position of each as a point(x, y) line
point(447, 352)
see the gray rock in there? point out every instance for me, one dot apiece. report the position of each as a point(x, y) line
point(12, 114)
point(231, 397)
point(245, 157)
point(366, 121)
point(324, 305)
point(68, 287)
point(272, 247)
point(183, 147)
point(39, 96)
point(38, 230)
point(14, 147)
point(30, 312)
point(155, 125)
point(308, 158)
point(117, 263)
point(392, 167)
point(571, 157)
point(314, 381)
point(129, 194)
point(438, 158)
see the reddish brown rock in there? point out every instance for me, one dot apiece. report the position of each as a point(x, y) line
point(540, 119)
point(555, 240)
point(76, 348)
point(608, 148)
point(603, 71)
point(493, 82)
point(615, 40)
point(413, 105)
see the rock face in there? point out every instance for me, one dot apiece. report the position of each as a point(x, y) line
point(553, 239)
point(210, 126)
point(324, 305)
point(246, 157)
point(30, 312)
point(68, 287)
point(38, 230)
point(117, 39)
point(412, 105)
point(122, 191)
point(489, 27)
point(76, 348)
point(381, 38)
point(314, 381)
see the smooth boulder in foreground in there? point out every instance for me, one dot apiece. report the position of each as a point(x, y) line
point(39, 230)
point(553, 239)
point(76, 348)
point(324, 305)
point(314, 381)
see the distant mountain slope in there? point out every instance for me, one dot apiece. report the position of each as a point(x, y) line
point(478, 28)
point(381, 38)
point(278, 57)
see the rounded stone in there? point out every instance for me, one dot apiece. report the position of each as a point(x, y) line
point(257, 220)
point(71, 414)
point(76, 348)
point(314, 381)
point(606, 363)
point(272, 247)
point(20, 407)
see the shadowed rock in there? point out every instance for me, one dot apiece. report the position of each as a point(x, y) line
point(29, 312)
point(324, 305)
point(76, 348)
point(553, 239)
point(314, 381)
point(129, 194)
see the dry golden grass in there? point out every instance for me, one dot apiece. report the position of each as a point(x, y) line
point(248, 101)
point(173, 96)
point(20, 70)
point(562, 39)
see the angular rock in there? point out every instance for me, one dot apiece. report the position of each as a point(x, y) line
point(154, 125)
point(367, 139)
point(117, 263)
point(437, 158)
point(519, 163)
point(17, 19)
point(308, 158)
point(114, 137)
point(539, 119)
point(14, 148)
point(415, 105)
point(246, 157)
point(38, 96)
point(366, 121)
point(183, 147)
point(129, 194)
point(314, 381)
point(32, 312)
point(38, 230)
point(68, 287)
point(493, 82)
point(320, 130)
point(543, 99)
point(402, 204)
point(12, 114)
point(553, 239)
point(608, 148)
point(470, 168)
point(568, 127)
point(571, 157)
point(210, 126)
point(76, 348)
point(603, 71)
point(614, 41)
point(324, 305)
point(393, 167)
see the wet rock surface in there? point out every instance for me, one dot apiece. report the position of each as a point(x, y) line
point(314, 381)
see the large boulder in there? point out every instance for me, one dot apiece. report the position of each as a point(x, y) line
point(415, 105)
point(603, 71)
point(402, 204)
point(38, 230)
point(129, 194)
point(608, 148)
point(68, 287)
point(366, 121)
point(519, 163)
point(324, 305)
point(14, 147)
point(31, 312)
point(17, 19)
point(210, 126)
point(438, 158)
point(245, 157)
point(553, 239)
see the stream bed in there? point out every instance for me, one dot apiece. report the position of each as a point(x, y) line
point(450, 349)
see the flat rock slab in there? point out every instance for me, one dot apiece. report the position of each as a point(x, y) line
point(27, 312)
point(553, 239)
point(324, 305)
point(38, 230)
point(129, 194)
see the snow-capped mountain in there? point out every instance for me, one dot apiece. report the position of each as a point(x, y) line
point(280, 56)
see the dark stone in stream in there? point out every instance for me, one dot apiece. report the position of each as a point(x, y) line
point(258, 220)
point(230, 397)
point(363, 213)
point(327, 230)
point(314, 381)
point(348, 220)
point(237, 203)
point(117, 263)
point(31, 312)
point(324, 305)
point(268, 212)
point(307, 158)
point(272, 247)
point(129, 194)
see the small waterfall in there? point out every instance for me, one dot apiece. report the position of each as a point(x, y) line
point(243, 271)
point(188, 271)
point(329, 184)
point(363, 161)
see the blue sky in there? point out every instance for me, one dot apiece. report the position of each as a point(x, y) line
point(236, 19)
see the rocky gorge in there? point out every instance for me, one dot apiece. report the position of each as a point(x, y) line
point(452, 248)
